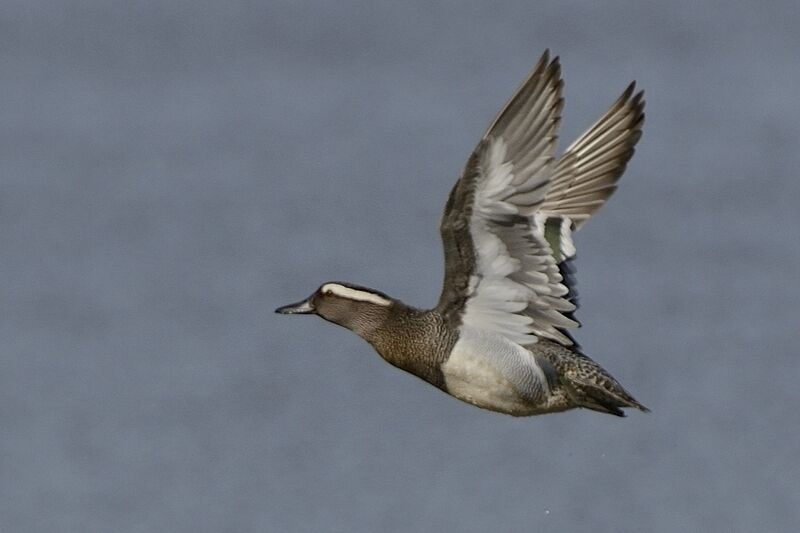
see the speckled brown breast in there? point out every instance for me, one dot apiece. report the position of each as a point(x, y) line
point(415, 341)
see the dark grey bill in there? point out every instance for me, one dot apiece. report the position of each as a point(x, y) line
point(300, 308)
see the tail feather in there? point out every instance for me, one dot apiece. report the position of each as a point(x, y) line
point(599, 398)
point(587, 384)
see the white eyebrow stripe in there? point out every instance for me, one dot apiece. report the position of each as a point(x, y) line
point(355, 294)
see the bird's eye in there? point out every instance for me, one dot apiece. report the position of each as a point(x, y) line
point(328, 292)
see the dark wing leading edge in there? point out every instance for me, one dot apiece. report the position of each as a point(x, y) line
point(502, 248)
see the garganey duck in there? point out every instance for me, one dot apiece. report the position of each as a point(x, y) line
point(498, 338)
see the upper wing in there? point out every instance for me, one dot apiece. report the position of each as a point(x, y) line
point(500, 274)
point(587, 173)
point(586, 176)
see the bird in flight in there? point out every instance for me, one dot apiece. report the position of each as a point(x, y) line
point(499, 336)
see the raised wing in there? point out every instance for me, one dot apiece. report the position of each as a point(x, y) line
point(500, 274)
point(586, 175)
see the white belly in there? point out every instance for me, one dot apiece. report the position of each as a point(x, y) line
point(490, 371)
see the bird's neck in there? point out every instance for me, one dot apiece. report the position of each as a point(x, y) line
point(413, 340)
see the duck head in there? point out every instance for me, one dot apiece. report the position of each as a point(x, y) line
point(359, 309)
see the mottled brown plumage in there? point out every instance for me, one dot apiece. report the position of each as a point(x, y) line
point(498, 336)
point(584, 383)
point(416, 341)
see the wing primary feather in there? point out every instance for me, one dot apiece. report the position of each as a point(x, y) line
point(596, 160)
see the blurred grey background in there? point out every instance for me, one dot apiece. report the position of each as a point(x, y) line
point(170, 172)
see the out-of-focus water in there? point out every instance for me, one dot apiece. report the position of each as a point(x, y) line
point(170, 172)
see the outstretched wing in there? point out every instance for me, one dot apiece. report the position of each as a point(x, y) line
point(586, 175)
point(508, 223)
point(500, 273)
